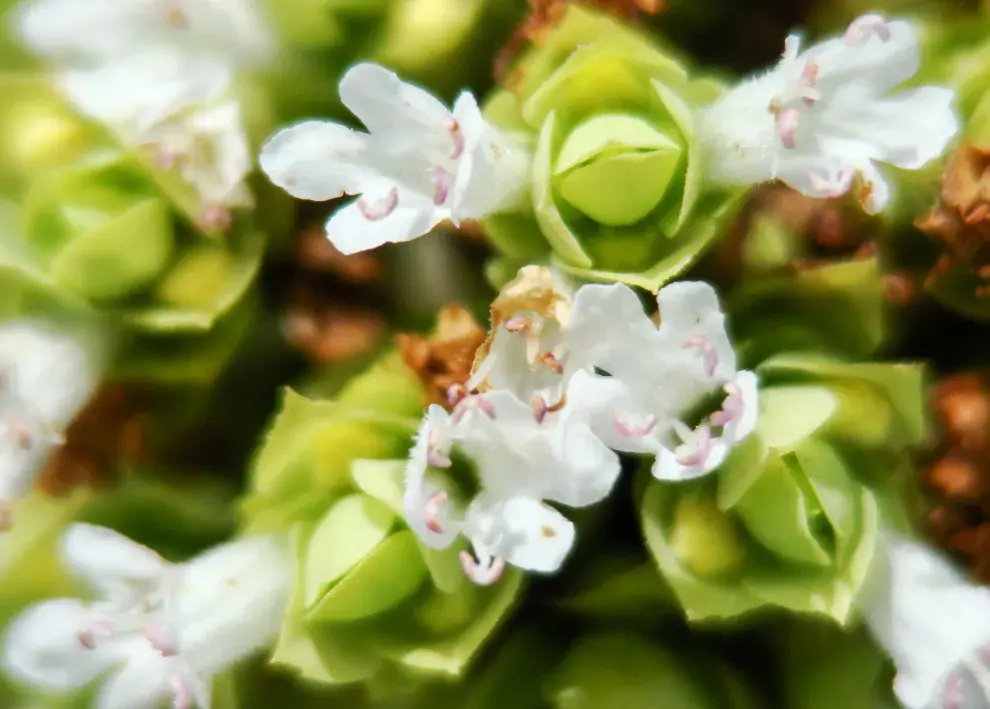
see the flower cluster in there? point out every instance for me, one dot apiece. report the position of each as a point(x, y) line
point(561, 384)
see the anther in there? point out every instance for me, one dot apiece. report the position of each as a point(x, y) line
point(627, 430)
point(181, 696)
point(457, 135)
point(551, 362)
point(456, 393)
point(731, 407)
point(519, 323)
point(708, 352)
point(381, 208)
point(160, 639)
point(787, 121)
point(696, 452)
point(432, 511)
point(482, 574)
point(93, 632)
point(442, 182)
point(540, 408)
point(861, 29)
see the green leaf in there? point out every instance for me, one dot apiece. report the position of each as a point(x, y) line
point(789, 414)
point(346, 536)
point(384, 480)
point(742, 468)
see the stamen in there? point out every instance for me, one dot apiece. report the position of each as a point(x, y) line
point(89, 634)
point(482, 574)
point(787, 121)
point(457, 135)
point(695, 452)
point(626, 430)
point(708, 352)
point(381, 208)
point(17, 431)
point(861, 29)
point(456, 393)
point(433, 504)
point(161, 640)
point(519, 323)
point(473, 401)
point(549, 359)
point(442, 182)
point(433, 455)
point(540, 408)
point(731, 407)
point(181, 695)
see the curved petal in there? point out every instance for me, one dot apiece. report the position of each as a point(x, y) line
point(427, 514)
point(400, 116)
point(608, 328)
point(613, 411)
point(316, 160)
point(41, 646)
point(748, 384)
point(145, 681)
point(692, 331)
point(351, 231)
point(96, 28)
point(531, 535)
point(587, 468)
point(884, 63)
point(109, 560)
point(667, 467)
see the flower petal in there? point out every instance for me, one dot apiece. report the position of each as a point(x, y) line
point(666, 467)
point(41, 646)
point(145, 681)
point(351, 231)
point(613, 410)
point(425, 513)
point(530, 535)
point(317, 160)
point(109, 560)
point(749, 387)
point(587, 469)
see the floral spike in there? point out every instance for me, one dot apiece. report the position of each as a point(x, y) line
point(418, 165)
point(822, 118)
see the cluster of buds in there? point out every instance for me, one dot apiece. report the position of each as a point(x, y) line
point(960, 478)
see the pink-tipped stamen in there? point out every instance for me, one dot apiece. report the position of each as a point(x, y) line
point(456, 394)
point(475, 401)
point(160, 639)
point(181, 695)
point(519, 323)
point(442, 182)
point(549, 359)
point(482, 574)
point(540, 408)
point(732, 407)
point(457, 135)
point(709, 354)
point(432, 511)
point(380, 209)
point(627, 430)
point(90, 635)
point(787, 122)
point(696, 453)
point(862, 28)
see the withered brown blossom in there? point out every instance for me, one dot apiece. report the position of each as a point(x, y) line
point(327, 333)
point(443, 359)
point(544, 14)
point(316, 253)
point(109, 431)
point(959, 479)
point(961, 219)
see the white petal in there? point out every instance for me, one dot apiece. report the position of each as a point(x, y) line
point(666, 467)
point(143, 682)
point(95, 27)
point(400, 116)
point(749, 387)
point(109, 560)
point(532, 535)
point(41, 646)
point(587, 468)
point(316, 160)
point(608, 328)
point(607, 403)
point(689, 310)
point(881, 64)
point(413, 216)
point(419, 489)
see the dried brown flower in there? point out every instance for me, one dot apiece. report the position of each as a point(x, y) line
point(326, 333)
point(443, 359)
point(316, 253)
point(544, 14)
point(111, 429)
point(961, 219)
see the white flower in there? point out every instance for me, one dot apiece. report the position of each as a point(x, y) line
point(658, 375)
point(825, 116)
point(46, 376)
point(513, 465)
point(95, 31)
point(933, 623)
point(418, 165)
point(164, 630)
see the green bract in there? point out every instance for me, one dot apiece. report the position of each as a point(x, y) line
point(368, 598)
point(790, 519)
point(103, 228)
point(618, 192)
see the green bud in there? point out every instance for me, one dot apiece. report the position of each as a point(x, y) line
point(369, 597)
point(790, 519)
point(618, 192)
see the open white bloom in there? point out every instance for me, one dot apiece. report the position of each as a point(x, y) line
point(163, 630)
point(659, 376)
point(823, 117)
point(46, 376)
point(418, 165)
point(95, 31)
point(934, 624)
point(486, 470)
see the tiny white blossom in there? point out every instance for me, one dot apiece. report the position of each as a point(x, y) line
point(46, 376)
point(162, 630)
point(514, 466)
point(418, 165)
point(824, 117)
point(934, 624)
point(658, 375)
point(84, 32)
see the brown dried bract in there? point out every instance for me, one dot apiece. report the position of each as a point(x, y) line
point(112, 429)
point(959, 479)
point(326, 333)
point(961, 219)
point(443, 359)
point(544, 14)
point(316, 253)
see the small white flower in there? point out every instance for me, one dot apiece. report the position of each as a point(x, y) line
point(46, 376)
point(164, 630)
point(515, 466)
point(823, 117)
point(95, 31)
point(658, 375)
point(418, 165)
point(934, 624)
